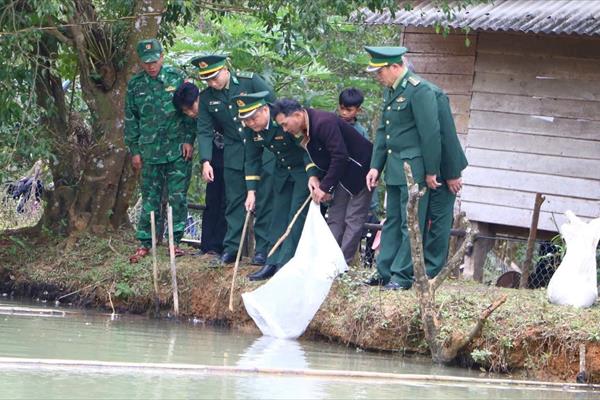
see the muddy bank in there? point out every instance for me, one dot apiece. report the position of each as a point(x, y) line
point(526, 336)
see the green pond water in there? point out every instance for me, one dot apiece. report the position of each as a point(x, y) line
point(90, 336)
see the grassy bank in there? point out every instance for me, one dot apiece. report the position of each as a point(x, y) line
point(526, 335)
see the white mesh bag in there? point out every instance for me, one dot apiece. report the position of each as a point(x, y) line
point(575, 281)
point(285, 305)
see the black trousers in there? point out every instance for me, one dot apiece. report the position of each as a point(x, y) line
point(214, 225)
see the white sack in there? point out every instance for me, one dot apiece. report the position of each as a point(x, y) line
point(575, 282)
point(285, 305)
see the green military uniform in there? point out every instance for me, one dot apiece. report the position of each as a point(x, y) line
point(409, 131)
point(154, 130)
point(290, 177)
point(217, 108)
point(441, 201)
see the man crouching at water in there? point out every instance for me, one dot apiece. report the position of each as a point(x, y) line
point(343, 157)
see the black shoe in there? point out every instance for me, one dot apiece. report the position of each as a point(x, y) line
point(259, 259)
point(264, 273)
point(227, 258)
point(374, 281)
point(394, 286)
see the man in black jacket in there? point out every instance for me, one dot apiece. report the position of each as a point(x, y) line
point(343, 156)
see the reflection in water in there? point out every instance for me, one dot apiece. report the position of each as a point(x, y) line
point(274, 353)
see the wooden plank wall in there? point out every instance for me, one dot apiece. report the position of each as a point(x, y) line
point(534, 127)
point(447, 62)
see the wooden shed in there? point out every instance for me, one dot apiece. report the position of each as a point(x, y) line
point(525, 93)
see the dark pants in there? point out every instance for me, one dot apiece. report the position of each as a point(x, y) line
point(395, 262)
point(346, 217)
point(214, 225)
point(286, 202)
point(436, 238)
point(264, 205)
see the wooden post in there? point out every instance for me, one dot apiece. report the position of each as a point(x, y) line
point(528, 264)
point(173, 267)
point(154, 262)
point(474, 263)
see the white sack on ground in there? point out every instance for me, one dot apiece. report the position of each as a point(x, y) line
point(285, 305)
point(575, 281)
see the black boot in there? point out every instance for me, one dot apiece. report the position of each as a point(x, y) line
point(264, 273)
point(259, 259)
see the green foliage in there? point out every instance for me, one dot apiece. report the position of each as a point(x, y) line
point(481, 356)
point(313, 70)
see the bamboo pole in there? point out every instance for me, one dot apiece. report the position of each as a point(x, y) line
point(173, 267)
point(78, 365)
point(289, 228)
point(237, 259)
point(154, 263)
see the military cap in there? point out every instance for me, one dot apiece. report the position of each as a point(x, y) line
point(209, 65)
point(249, 103)
point(149, 50)
point(383, 56)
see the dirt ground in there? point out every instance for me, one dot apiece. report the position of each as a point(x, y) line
point(526, 336)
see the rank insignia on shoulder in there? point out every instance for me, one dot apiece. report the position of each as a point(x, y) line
point(243, 74)
point(401, 99)
point(170, 89)
point(414, 81)
point(214, 102)
point(258, 138)
point(278, 137)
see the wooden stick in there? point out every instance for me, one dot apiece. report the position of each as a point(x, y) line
point(93, 365)
point(154, 262)
point(289, 228)
point(237, 259)
point(528, 264)
point(173, 267)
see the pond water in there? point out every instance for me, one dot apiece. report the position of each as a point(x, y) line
point(95, 337)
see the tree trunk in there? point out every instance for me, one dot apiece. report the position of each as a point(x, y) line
point(93, 179)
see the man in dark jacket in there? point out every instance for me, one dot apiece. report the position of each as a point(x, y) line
point(343, 156)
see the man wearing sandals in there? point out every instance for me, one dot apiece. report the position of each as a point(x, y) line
point(160, 141)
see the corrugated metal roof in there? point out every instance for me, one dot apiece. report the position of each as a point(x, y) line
point(581, 17)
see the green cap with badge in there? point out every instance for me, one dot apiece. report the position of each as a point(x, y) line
point(209, 65)
point(384, 56)
point(149, 50)
point(249, 103)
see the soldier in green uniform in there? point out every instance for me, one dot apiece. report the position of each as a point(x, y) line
point(217, 108)
point(290, 180)
point(440, 212)
point(409, 131)
point(160, 141)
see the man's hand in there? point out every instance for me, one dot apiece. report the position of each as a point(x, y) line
point(454, 185)
point(372, 178)
point(320, 196)
point(250, 200)
point(207, 172)
point(432, 182)
point(187, 151)
point(313, 183)
point(136, 162)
